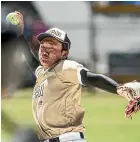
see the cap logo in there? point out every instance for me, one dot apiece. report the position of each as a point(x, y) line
point(57, 33)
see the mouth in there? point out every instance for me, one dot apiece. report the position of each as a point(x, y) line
point(44, 59)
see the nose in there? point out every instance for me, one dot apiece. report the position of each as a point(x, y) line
point(45, 53)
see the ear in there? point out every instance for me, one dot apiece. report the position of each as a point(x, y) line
point(65, 54)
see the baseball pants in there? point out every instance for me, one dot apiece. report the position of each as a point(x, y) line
point(70, 137)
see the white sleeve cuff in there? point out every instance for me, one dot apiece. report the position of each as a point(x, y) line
point(79, 75)
point(37, 70)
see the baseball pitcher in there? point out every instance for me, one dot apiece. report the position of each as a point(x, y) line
point(57, 93)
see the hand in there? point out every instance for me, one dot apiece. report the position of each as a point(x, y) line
point(130, 91)
point(15, 20)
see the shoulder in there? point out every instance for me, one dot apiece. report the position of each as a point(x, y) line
point(70, 64)
point(38, 69)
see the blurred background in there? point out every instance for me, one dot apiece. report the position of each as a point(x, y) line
point(105, 38)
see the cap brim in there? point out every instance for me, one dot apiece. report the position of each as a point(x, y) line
point(41, 36)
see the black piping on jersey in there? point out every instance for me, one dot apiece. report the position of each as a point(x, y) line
point(99, 81)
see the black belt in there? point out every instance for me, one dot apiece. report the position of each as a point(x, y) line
point(58, 140)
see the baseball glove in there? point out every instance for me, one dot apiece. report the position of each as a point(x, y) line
point(130, 91)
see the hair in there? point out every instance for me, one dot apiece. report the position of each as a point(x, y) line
point(65, 48)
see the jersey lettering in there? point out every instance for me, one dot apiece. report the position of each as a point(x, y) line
point(38, 92)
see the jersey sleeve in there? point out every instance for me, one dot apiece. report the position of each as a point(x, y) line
point(76, 66)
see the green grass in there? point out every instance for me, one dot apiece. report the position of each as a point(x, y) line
point(104, 118)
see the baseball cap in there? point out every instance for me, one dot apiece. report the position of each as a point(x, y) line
point(57, 34)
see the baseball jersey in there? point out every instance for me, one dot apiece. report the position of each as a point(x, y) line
point(56, 99)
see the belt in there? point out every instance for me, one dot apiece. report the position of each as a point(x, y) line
point(57, 139)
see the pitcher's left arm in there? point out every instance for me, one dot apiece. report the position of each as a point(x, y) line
point(130, 91)
point(98, 80)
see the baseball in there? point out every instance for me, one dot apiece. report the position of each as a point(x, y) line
point(12, 18)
